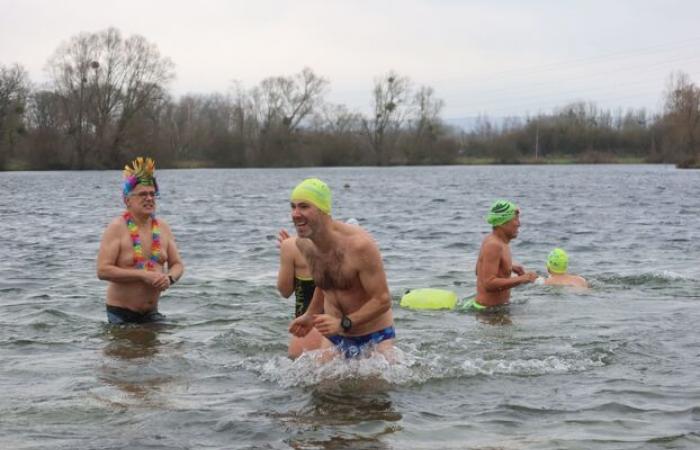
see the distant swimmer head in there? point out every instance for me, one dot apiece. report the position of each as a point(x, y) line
point(501, 212)
point(314, 191)
point(557, 261)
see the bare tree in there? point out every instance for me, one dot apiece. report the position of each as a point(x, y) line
point(280, 106)
point(14, 91)
point(682, 120)
point(336, 138)
point(47, 132)
point(104, 81)
point(389, 99)
point(425, 125)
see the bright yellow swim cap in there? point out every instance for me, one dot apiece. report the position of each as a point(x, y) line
point(558, 261)
point(314, 191)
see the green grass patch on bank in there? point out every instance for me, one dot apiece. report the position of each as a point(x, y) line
point(192, 164)
point(556, 159)
point(15, 165)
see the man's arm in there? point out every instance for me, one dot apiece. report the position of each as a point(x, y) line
point(175, 265)
point(373, 279)
point(285, 275)
point(301, 326)
point(107, 268)
point(488, 270)
point(517, 269)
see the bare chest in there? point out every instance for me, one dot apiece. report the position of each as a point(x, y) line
point(332, 270)
point(127, 249)
point(506, 266)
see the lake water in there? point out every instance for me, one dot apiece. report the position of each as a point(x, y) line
point(615, 368)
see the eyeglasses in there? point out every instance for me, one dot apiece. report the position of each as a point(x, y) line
point(145, 194)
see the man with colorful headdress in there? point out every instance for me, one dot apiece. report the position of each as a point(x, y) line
point(351, 306)
point(494, 268)
point(138, 255)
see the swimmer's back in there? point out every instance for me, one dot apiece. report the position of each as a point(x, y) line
point(566, 280)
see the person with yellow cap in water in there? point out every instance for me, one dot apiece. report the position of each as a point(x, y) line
point(351, 306)
point(138, 255)
point(557, 266)
point(494, 267)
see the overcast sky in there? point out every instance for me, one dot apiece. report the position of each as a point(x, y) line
point(481, 57)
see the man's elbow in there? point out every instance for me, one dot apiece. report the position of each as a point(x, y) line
point(385, 303)
point(102, 273)
point(491, 285)
point(493, 288)
point(285, 289)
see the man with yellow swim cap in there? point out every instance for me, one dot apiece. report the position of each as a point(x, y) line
point(351, 306)
point(494, 267)
point(557, 266)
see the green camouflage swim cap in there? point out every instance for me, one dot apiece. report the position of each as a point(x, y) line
point(501, 212)
point(558, 261)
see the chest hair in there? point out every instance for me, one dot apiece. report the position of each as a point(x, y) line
point(328, 269)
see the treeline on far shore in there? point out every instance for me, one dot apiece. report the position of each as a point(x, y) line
point(107, 101)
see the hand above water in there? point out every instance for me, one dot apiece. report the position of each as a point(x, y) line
point(281, 236)
point(518, 269)
point(158, 280)
point(327, 325)
point(301, 326)
point(529, 277)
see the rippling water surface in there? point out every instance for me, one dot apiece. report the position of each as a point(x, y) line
point(614, 368)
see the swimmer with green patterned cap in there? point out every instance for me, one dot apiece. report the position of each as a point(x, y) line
point(495, 268)
point(557, 266)
point(351, 306)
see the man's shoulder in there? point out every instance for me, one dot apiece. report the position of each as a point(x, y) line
point(163, 223)
point(581, 281)
point(117, 223)
point(359, 238)
point(492, 243)
point(289, 245)
point(566, 280)
point(115, 229)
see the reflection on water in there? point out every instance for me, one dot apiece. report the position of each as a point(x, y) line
point(501, 317)
point(340, 443)
point(131, 342)
point(350, 402)
point(356, 414)
point(128, 365)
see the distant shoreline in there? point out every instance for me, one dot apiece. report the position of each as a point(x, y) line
point(16, 166)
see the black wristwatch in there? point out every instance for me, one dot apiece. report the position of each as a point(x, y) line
point(172, 280)
point(345, 323)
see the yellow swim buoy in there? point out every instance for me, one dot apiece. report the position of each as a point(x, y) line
point(429, 298)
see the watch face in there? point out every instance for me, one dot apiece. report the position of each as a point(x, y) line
point(345, 323)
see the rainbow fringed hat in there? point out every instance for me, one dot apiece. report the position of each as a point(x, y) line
point(141, 171)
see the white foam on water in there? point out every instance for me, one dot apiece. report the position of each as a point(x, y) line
point(313, 368)
point(408, 367)
point(673, 276)
point(528, 367)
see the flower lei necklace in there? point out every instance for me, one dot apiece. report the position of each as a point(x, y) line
point(139, 261)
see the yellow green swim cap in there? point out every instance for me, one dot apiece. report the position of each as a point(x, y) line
point(558, 261)
point(314, 191)
point(502, 211)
